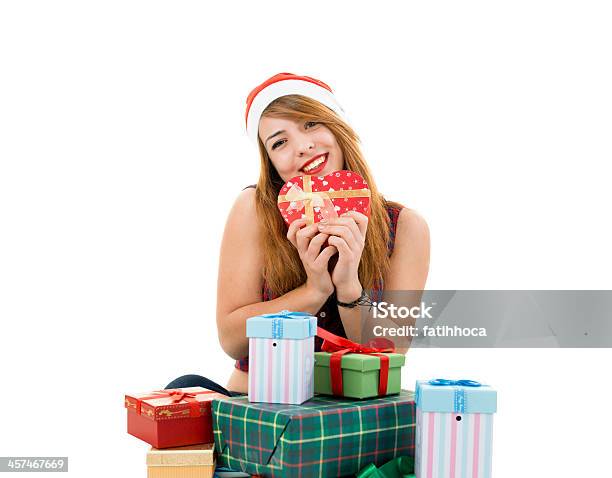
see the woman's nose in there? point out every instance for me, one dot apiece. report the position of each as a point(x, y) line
point(305, 146)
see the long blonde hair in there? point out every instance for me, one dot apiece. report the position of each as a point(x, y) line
point(283, 270)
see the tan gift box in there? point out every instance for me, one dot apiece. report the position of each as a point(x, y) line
point(194, 461)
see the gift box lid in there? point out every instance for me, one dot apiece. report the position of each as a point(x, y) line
point(455, 396)
point(282, 325)
point(360, 362)
point(192, 455)
point(171, 404)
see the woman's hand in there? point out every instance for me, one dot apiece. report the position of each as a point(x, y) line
point(347, 234)
point(308, 242)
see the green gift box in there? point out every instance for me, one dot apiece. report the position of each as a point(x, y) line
point(323, 437)
point(360, 374)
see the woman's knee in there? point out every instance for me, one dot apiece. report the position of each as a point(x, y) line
point(185, 381)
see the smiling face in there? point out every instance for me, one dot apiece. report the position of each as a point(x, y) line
point(300, 147)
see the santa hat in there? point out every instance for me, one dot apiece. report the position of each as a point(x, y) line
point(284, 84)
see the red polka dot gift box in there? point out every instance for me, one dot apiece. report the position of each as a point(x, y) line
point(323, 197)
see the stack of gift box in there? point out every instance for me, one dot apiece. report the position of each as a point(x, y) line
point(339, 412)
point(178, 424)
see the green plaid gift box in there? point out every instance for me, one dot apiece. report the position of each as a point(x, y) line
point(323, 437)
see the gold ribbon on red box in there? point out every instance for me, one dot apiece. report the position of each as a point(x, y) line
point(176, 396)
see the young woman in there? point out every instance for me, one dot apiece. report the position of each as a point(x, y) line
point(324, 268)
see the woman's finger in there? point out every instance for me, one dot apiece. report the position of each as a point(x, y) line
point(304, 235)
point(294, 227)
point(341, 231)
point(352, 225)
point(341, 245)
point(314, 248)
point(325, 256)
point(361, 220)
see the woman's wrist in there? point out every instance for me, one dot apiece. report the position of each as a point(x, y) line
point(349, 292)
point(316, 294)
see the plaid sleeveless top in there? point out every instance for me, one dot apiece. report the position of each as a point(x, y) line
point(328, 316)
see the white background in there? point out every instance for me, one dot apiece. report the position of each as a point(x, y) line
point(122, 147)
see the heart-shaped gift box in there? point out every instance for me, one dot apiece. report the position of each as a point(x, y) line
point(323, 197)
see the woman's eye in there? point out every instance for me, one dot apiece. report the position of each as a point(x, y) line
point(310, 124)
point(277, 144)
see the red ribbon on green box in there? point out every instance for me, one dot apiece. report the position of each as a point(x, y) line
point(340, 346)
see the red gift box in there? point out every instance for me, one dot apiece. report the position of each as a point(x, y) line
point(323, 197)
point(169, 418)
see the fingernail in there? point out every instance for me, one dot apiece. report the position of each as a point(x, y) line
point(321, 226)
point(323, 221)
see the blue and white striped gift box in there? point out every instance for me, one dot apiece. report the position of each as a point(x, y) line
point(454, 432)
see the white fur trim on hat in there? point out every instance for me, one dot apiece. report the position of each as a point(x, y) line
point(284, 88)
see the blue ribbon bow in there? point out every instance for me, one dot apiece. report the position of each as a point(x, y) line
point(277, 321)
point(463, 383)
point(459, 393)
point(285, 314)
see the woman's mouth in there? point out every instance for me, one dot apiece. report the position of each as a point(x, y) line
point(315, 165)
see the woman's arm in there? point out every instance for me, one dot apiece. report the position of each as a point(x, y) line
point(240, 280)
point(409, 265)
point(410, 257)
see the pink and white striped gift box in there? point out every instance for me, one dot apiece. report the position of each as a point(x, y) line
point(454, 433)
point(281, 357)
